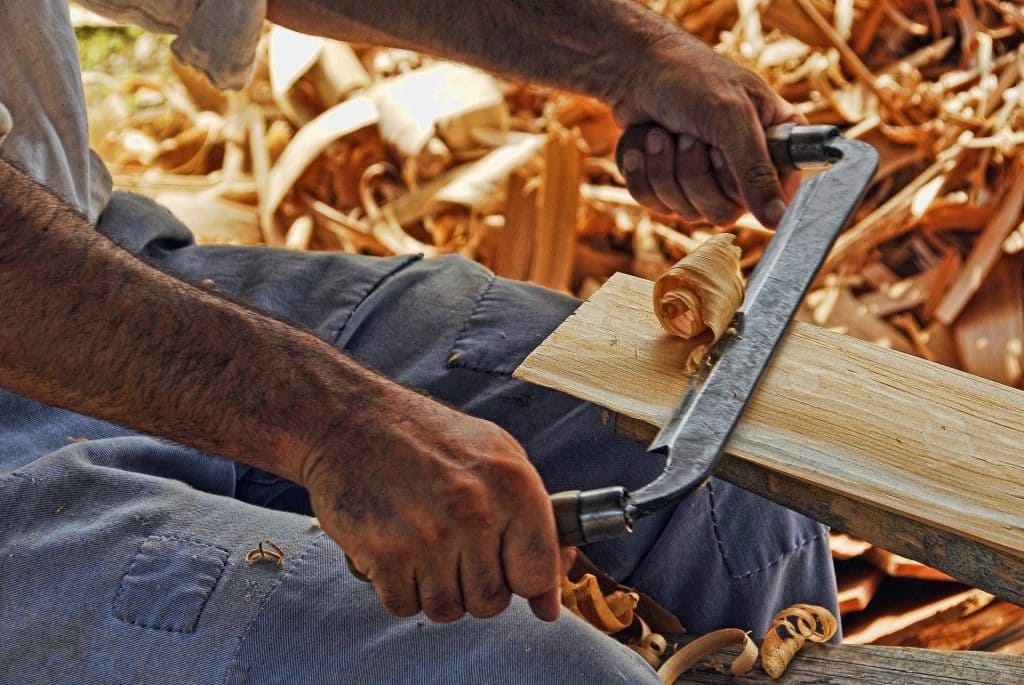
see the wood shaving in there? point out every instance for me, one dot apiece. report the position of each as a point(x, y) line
point(697, 298)
point(789, 630)
point(610, 614)
point(706, 645)
point(651, 646)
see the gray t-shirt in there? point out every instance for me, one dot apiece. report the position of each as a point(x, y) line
point(41, 86)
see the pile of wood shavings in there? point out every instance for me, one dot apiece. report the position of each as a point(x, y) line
point(614, 613)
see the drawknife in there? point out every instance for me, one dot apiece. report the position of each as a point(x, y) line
point(695, 435)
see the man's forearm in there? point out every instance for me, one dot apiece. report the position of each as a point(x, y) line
point(585, 45)
point(86, 326)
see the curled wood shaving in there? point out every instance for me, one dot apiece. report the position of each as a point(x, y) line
point(698, 297)
point(702, 291)
point(651, 646)
point(790, 629)
point(609, 614)
point(688, 656)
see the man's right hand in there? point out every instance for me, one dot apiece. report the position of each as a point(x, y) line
point(443, 512)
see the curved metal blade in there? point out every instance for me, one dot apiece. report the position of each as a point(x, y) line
point(696, 434)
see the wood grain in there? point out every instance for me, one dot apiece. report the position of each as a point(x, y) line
point(917, 458)
point(859, 665)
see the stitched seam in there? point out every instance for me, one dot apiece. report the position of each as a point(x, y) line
point(266, 600)
point(725, 557)
point(192, 541)
point(123, 615)
point(373, 288)
point(718, 536)
point(459, 364)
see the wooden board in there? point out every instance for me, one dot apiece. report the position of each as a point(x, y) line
point(915, 457)
point(910, 608)
point(861, 665)
point(901, 567)
point(857, 583)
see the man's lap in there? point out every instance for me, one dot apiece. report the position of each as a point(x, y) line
point(449, 328)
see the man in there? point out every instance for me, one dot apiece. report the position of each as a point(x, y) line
point(129, 558)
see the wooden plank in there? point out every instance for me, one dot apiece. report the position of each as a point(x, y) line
point(990, 333)
point(514, 242)
point(857, 583)
point(988, 249)
point(901, 567)
point(970, 631)
point(559, 200)
point(846, 546)
point(900, 296)
point(917, 458)
point(906, 608)
point(861, 665)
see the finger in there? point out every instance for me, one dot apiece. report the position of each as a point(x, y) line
point(548, 606)
point(693, 169)
point(532, 560)
point(440, 596)
point(634, 171)
point(569, 555)
point(661, 174)
point(790, 182)
point(772, 108)
point(397, 592)
point(755, 174)
point(484, 590)
point(724, 177)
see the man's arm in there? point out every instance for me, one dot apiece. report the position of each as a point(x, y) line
point(418, 494)
point(708, 157)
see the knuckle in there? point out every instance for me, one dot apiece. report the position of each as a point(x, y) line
point(443, 608)
point(487, 598)
point(532, 583)
point(430, 530)
point(489, 609)
point(690, 214)
point(397, 603)
point(723, 217)
point(401, 608)
point(759, 177)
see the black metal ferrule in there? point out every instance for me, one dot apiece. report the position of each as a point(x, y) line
point(583, 517)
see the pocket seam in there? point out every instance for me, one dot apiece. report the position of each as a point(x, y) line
point(725, 557)
point(123, 616)
point(455, 359)
point(411, 259)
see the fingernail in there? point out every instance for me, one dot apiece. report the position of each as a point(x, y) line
point(631, 160)
point(685, 142)
point(717, 160)
point(655, 143)
point(774, 211)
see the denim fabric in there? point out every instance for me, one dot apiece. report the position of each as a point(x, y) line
point(124, 555)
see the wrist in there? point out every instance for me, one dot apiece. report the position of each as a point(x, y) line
point(631, 61)
point(350, 421)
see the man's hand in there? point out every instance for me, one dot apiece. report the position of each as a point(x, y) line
point(710, 159)
point(441, 511)
point(708, 156)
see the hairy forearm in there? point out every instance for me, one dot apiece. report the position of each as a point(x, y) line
point(590, 46)
point(86, 326)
